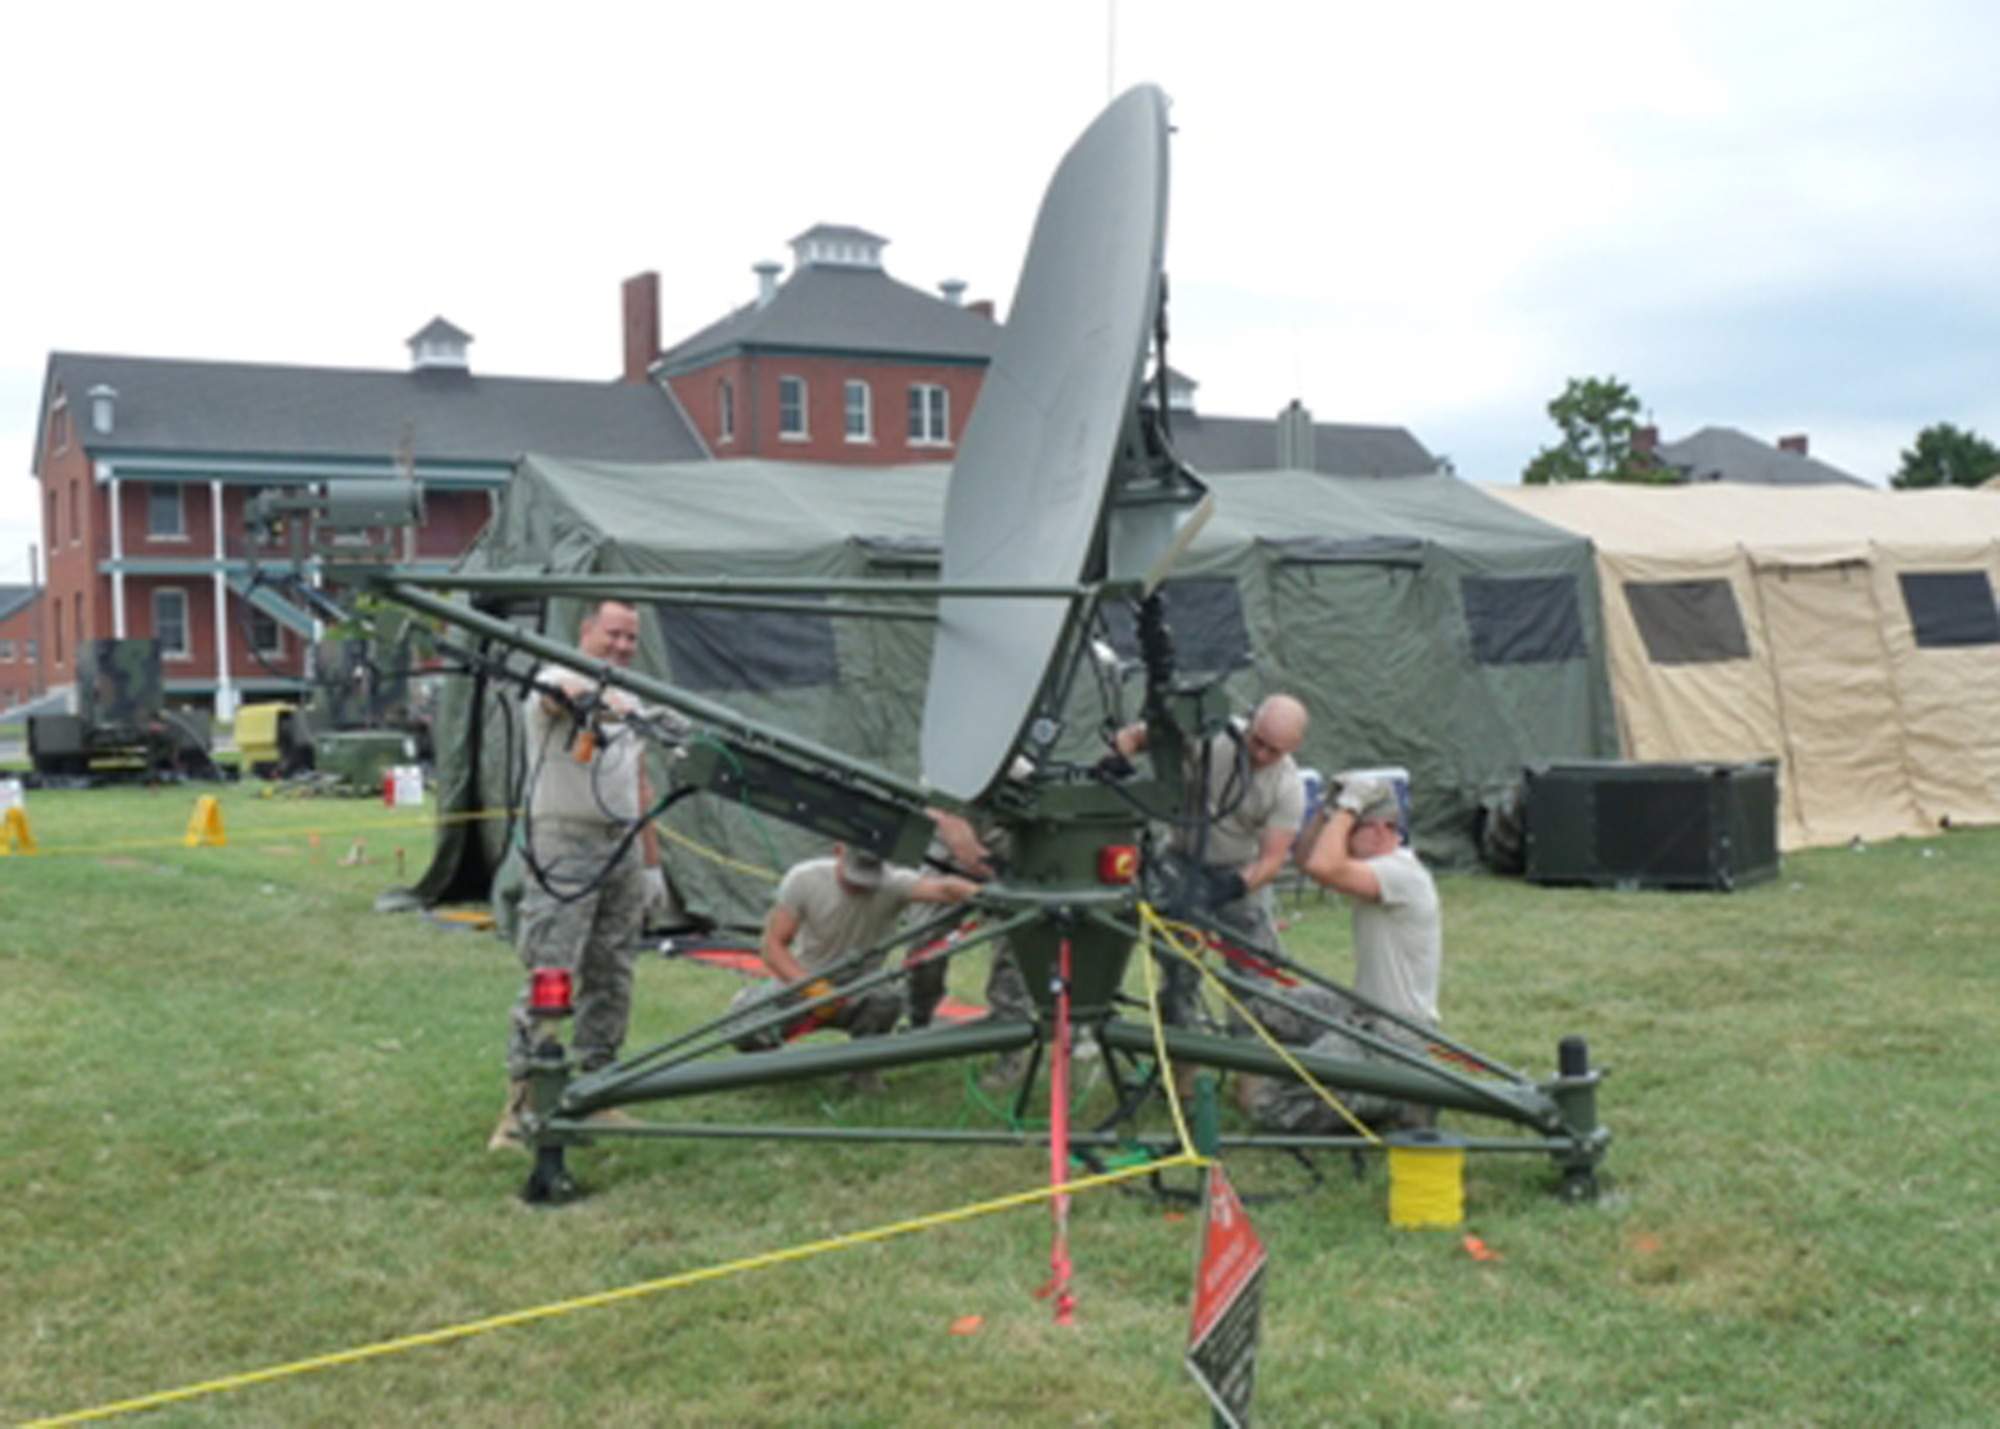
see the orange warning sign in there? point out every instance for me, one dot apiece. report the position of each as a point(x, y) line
point(1230, 1253)
point(1228, 1301)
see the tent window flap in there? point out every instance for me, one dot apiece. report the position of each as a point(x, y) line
point(748, 649)
point(1688, 622)
point(1950, 608)
point(1523, 620)
point(1205, 614)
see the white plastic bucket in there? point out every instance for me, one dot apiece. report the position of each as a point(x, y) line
point(403, 786)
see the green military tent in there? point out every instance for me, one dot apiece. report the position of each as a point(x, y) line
point(1425, 624)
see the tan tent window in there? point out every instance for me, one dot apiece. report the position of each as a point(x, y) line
point(1950, 608)
point(1688, 622)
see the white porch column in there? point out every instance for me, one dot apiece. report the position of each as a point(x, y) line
point(225, 688)
point(113, 486)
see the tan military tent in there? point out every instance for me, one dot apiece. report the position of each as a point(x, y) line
point(1850, 634)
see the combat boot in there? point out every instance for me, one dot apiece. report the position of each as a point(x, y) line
point(1006, 1072)
point(507, 1134)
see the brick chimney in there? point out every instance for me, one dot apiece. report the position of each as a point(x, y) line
point(1645, 442)
point(982, 306)
point(641, 295)
point(1795, 444)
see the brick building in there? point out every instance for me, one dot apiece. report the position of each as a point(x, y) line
point(837, 363)
point(20, 645)
point(841, 363)
point(145, 465)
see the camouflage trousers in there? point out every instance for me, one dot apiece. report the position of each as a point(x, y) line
point(593, 937)
point(1252, 918)
point(1286, 1104)
point(873, 1013)
point(1007, 994)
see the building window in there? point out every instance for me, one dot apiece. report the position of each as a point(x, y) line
point(930, 415)
point(78, 631)
point(6, 652)
point(860, 412)
point(792, 408)
point(725, 411)
point(59, 425)
point(166, 512)
point(76, 511)
point(170, 622)
point(55, 526)
point(267, 637)
point(28, 650)
point(57, 608)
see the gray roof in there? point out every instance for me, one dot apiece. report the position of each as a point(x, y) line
point(259, 410)
point(441, 327)
point(1725, 454)
point(839, 231)
point(16, 598)
point(825, 308)
point(1226, 444)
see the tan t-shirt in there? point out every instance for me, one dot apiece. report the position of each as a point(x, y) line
point(601, 789)
point(833, 922)
point(1275, 799)
point(1399, 942)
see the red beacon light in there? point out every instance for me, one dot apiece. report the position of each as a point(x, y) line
point(1117, 863)
point(549, 993)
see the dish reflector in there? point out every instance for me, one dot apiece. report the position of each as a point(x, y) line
point(1028, 492)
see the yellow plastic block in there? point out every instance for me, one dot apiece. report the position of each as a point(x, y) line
point(15, 835)
point(205, 824)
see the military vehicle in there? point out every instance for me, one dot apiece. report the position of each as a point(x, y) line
point(366, 710)
point(121, 728)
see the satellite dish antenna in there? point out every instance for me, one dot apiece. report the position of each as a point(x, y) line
point(1029, 489)
point(1066, 491)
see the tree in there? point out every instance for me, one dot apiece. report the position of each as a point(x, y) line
point(1945, 456)
point(1599, 422)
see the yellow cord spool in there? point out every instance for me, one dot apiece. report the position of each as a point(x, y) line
point(1426, 1181)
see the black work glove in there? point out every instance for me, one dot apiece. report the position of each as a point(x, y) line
point(1225, 885)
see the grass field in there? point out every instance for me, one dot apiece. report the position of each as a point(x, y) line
point(245, 1117)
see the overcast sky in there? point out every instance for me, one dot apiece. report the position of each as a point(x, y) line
point(1777, 216)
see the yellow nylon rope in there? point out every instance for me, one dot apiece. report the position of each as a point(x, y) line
point(715, 856)
point(1186, 1156)
point(643, 1289)
point(265, 837)
point(1186, 941)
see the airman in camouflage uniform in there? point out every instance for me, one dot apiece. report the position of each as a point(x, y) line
point(584, 902)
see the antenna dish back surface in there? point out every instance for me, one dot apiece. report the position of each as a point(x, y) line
point(1029, 488)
